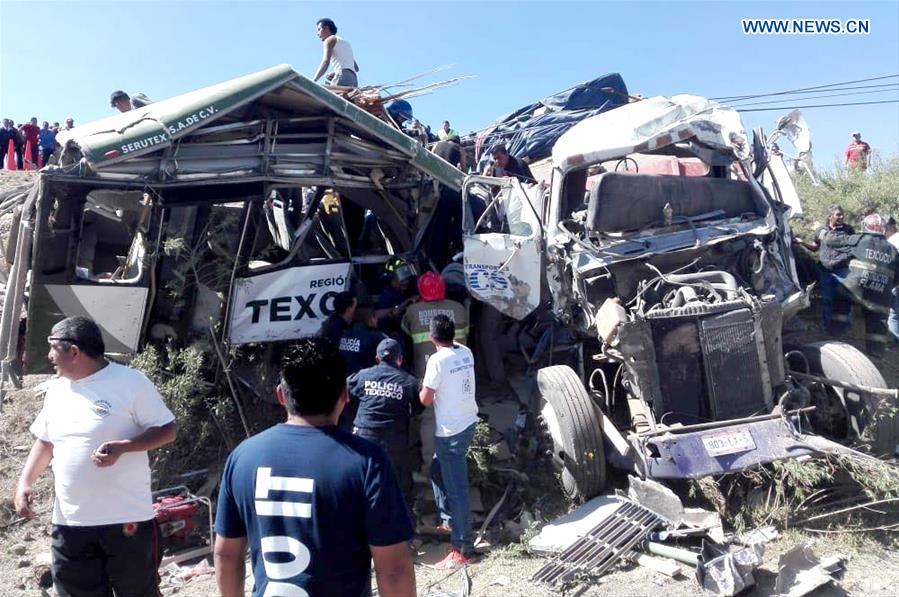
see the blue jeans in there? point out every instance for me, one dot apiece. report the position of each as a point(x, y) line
point(893, 320)
point(449, 480)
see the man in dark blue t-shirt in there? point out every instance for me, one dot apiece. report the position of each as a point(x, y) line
point(387, 397)
point(315, 504)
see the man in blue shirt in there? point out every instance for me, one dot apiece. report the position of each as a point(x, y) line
point(47, 141)
point(315, 504)
point(387, 397)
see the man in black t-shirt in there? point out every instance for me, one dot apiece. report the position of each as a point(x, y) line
point(387, 397)
point(315, 504)
point(505, 164)
point(835, 309)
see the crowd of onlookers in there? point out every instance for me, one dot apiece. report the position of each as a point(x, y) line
point(40, 141)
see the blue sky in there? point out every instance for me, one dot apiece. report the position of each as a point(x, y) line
point(64, 58)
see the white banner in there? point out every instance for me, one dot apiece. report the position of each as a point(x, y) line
point(285, 305)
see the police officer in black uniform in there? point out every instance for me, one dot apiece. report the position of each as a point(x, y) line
point(387, 398)
point(358, 345)
point(873, 272)
point(339, 321)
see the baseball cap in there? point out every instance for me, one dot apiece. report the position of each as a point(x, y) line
point(389, 350)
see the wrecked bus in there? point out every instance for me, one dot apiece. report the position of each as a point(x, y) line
point(658, 244)
point(232, 214)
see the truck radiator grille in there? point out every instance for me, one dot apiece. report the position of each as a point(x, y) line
point(732, 366)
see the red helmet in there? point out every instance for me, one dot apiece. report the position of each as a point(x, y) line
point(431, 287)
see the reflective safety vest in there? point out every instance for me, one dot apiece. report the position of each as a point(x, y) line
point(417, 323)
point(873, 268)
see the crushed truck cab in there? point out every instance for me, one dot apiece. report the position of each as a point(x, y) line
point(662, 256)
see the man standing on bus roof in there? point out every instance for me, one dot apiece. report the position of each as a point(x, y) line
point(339, 54)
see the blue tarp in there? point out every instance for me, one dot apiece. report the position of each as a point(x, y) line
point(532, 137)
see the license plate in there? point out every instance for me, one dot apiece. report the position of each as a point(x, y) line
point(728, 442)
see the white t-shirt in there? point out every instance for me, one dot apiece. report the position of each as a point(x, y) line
point(114, 403)
point(342, 56)
point(450, 373)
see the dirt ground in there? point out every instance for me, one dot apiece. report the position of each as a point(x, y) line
point(873, 569)
point(10, 179)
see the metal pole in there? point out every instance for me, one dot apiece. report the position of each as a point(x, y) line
point(889, 393)
point(675, 553)
point(15, 292)
point(240, 246)
point(716, 424)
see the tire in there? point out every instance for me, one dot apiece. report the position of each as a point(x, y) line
point(575, 427)
point(865, 414)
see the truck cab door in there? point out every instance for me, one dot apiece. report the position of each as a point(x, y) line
point(502, 244)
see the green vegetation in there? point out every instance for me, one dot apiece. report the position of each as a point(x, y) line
point(481, 454)
point(875, 189)
point(790, 491)
point(204, 415)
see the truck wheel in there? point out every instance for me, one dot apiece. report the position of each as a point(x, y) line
point(575, 428)
point(864, 416)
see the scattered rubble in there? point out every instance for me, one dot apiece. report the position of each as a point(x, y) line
point(800, 571)
point(656, 497)
point(565, 530)
point(726, 570)
point(602, 547)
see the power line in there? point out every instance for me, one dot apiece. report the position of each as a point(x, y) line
point(817, 87)
point(889, 86)
point(828, 87)
point(819, 106)
point(786, 101)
